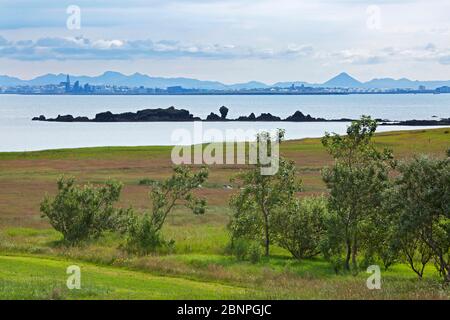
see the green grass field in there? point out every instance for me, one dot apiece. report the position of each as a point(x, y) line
point(33, 263)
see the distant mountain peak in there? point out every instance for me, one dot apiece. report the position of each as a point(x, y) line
point(344, 74)
point(343, 80)
point(112, 73)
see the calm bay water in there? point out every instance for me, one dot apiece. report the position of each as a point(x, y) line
point(19, 133)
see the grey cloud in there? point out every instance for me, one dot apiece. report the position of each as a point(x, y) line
point(429, 52)
point(80, 48)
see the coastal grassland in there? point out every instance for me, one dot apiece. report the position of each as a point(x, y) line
point(33, 271)
point(32, 261)
point(29, 277)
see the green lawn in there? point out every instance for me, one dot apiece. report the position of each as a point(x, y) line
point(43, 278)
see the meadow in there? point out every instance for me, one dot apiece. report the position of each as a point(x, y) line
point(33, 263)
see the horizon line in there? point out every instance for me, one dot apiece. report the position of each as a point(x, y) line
point(343, 73)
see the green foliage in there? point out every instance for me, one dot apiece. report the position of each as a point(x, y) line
point(356, 182)
point(245, 249)
point(144, 233)
point(413, 250)
point(83, 212)
point(142, 237)
point(239, 248)
point(259, 197)
point(300, 226)
point(380, 237)
point(254, 252)
point(356, 148)
point(422, 198)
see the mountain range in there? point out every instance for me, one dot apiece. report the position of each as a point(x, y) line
point(343, 80)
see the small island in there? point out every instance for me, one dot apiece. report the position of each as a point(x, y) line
point(441, 122)
point(147, 115)
point(181, 115)
point(173, 115)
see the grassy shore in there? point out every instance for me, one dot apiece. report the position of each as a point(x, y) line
point(33, 264)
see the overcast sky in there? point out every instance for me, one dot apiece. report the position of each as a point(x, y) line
point(229, 40)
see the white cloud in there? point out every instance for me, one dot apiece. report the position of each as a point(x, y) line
point(80, 48)
point(305, 33)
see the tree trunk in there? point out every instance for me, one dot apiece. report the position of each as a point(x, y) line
point(347, 258)
point(267, 244)
point(354, 252)
point(447, 280)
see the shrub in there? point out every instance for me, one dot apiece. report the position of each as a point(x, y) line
point(142, 236)
point(144, 232)
point(254, 252)
point(83, 212)
point(239, 248)
point(245, 249)
point(300, 227)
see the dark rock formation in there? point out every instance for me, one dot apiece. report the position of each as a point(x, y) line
point(40, 118)
point(147, 115)
point(213, 117)
point(60, 118)
point(442, 122)
point(81, 119)
point(298, 116)
point(267, 117)
point(223, 112)
point(172, 114)
point(251, 117)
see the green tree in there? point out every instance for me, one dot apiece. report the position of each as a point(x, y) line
point(300, 226)
point(259, 197)
point(83, 212)
point(356, 181)
point(379, 237)
point(422, 196)
point(144, 232)
point(413, 250)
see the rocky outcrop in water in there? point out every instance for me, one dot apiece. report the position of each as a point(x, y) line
point(299, 117)
point(213, 117)
point(442, 122)
point(173, 115)
point(147, 115)
point(251, 117)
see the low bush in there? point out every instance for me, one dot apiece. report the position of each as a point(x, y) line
point(144, 232)
point(255, 252)
point(142, 236)
point(239, 248)
point(83, 212)
point(244, 249)
point(300, 226)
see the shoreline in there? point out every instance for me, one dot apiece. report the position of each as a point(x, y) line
point(118, 147)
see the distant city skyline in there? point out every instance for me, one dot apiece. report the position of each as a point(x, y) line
point(228, 41)
point(139, 83)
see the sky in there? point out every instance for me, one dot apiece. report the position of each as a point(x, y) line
point(230, 41)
